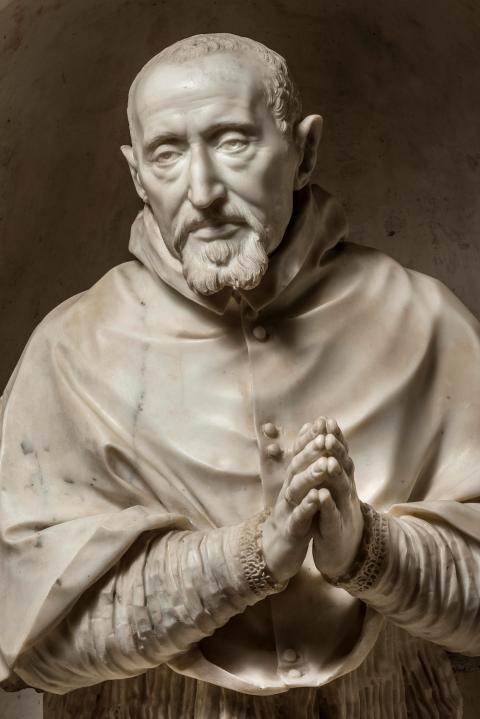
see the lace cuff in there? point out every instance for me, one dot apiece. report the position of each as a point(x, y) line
point(252, 560)
point(368, 563)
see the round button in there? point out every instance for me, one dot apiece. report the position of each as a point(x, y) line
point(289, 655)
point(260, 333)
point(294, 673)
point(269, 430)
point(274, 450)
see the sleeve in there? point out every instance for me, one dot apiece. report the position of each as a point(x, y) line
point(420, 563)
point(161, 599)
point(424, 576)
point(78, 489)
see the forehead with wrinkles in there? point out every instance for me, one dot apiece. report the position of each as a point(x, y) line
point(171, 93)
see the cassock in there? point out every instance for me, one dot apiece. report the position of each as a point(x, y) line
point(143, 419)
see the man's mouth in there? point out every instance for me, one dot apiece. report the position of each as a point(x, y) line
point(215, 230)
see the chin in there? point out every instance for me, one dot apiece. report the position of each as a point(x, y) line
point(210, 267)
point(208, 281)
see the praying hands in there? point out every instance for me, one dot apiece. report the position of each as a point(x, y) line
point(318, 500)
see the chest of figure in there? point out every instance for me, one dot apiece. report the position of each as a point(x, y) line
point(220, 409)
point(219, 405)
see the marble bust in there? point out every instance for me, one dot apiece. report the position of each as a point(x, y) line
point(239, 475)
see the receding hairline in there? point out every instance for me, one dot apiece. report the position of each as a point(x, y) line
point(158, 61)
point(281, 93)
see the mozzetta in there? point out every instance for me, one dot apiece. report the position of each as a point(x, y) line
point(144, 417)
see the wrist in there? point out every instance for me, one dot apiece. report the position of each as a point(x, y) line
point(257, 572)
point(270, 544)
point(367, 565)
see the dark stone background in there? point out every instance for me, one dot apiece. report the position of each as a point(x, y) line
point(397, 82)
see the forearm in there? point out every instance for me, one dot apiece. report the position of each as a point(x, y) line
point(164, 597)
point(425, 578)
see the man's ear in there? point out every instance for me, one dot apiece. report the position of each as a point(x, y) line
point(129, 155)
point(307, 137)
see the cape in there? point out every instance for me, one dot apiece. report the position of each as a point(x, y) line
point(126, 414)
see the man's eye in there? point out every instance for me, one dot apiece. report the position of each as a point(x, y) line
point(164, 157)
point(234, 144)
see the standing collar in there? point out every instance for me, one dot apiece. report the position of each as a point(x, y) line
point(318, 223)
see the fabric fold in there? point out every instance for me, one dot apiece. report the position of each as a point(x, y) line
point(138, 408)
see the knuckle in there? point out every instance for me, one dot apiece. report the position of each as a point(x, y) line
point(333, 465)
point(320, 466)
point(291, 495)
point(298, 445)
point(324, 495)
point(294, 465)
point(311, 495)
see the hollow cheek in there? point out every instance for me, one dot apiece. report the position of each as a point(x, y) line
point(254, 182)
point(276, 171)
point(276, 195)
point(166, 194)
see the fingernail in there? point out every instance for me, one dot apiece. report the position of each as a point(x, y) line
point(329, 441)
point(318, 425)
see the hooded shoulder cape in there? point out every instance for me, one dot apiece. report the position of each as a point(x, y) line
point(130, 411)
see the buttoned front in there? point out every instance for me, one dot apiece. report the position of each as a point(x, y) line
point(260, 333)
point(269, 430)
point(274, 450)
point(289, 655)
point(189, 410)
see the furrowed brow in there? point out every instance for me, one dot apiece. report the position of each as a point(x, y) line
point(161, 138)
point(247, 128)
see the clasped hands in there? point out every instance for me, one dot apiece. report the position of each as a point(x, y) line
point(318, 501)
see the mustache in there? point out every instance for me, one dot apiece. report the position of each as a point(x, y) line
point(192, 222)
point(208, 222)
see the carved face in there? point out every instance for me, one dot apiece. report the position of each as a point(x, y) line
point(215, 168)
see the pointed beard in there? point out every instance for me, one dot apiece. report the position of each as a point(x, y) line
point(209, 266)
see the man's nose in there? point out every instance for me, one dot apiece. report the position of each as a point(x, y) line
point(205, 186)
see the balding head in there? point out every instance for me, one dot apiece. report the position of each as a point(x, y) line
point(219, 148)
point(280, 91)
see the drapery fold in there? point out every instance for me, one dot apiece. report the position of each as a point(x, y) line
point(137, 408)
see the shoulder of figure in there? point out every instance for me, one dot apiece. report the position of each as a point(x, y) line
point(382, 275)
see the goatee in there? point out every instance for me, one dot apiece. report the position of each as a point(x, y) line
point(209, 266)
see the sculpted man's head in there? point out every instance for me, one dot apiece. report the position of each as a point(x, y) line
point(218, 150)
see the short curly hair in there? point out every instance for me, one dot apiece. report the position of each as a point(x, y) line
point(281, 93)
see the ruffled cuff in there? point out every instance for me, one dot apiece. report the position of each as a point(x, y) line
point(252, 559)
point(368, 564)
